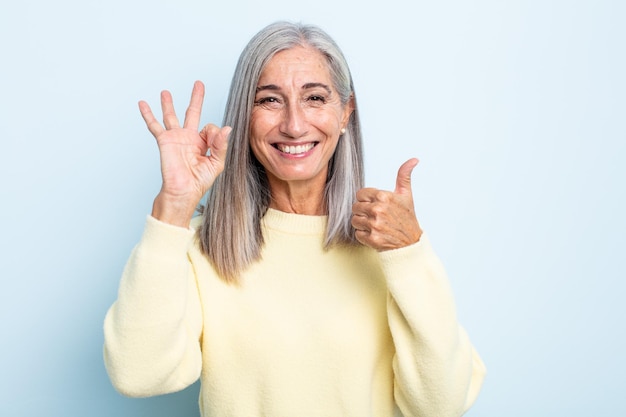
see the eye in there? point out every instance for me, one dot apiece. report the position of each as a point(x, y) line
point(270, 102)
point(317, 98)
point(266, 100)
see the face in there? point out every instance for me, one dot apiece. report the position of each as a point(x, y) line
point(297, 118)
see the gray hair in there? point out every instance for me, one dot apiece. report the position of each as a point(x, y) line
point(230, 234)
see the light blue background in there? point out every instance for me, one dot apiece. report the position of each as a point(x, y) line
point(516, 110)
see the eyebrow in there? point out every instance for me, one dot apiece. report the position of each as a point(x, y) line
point(315, 85)
point(274, 87)
point(267, 87)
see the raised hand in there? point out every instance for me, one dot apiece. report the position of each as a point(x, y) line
point(386, 220)
point(190, 160)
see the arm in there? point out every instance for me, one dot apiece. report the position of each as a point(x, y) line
point(152, 331)
point(437, 371)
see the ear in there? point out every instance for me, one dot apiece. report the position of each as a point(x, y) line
point(347, 111)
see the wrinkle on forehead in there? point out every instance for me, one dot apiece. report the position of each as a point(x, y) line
point(300, 66)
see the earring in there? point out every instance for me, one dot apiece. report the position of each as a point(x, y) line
point(343, 130)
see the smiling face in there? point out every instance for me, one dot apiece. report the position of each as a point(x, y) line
point(297, 119)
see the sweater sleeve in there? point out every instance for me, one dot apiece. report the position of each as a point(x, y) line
point(152, 331)
point(437, 372)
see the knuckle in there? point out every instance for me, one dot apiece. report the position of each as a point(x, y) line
point(377, 213)
point(382, 196)
point(377, 241)
point(360, 195)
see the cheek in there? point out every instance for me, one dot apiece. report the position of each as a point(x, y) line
point(327, 122)
point(261, 125)
point(257, 132)
point(257, 148)
point(254, 126)
point(340, 117)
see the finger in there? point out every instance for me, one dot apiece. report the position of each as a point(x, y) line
point(151, 122)
point(367, 194)
point(403, 180)
point(216, 139)
point(362, 236)
point(362, 209)
point(359, 222)
point(220, 144)
point(169, 115)
point(192, 116)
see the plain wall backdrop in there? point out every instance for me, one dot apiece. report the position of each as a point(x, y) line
point(515, 108)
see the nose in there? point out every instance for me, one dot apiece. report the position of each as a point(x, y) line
point(294, 123)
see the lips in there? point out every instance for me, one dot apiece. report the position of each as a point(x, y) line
point(295, 149)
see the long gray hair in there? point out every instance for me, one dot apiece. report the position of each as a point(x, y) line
point(230, 234)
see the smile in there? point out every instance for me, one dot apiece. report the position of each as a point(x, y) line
point(295, 149)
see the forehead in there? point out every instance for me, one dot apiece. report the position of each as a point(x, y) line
point(295, 63)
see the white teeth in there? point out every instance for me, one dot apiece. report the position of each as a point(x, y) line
point(294, 150)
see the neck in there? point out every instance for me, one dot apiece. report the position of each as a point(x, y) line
point(299, 197)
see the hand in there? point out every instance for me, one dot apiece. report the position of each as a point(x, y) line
point(386, 220)
point(187, 171)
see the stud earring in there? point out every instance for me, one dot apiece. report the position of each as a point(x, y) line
point(343, 130)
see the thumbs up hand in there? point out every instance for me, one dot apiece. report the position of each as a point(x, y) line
point(386, 220)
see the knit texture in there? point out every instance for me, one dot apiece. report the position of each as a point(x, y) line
point(307, 332)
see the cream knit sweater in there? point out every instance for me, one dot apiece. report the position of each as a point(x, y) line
point(347, 332)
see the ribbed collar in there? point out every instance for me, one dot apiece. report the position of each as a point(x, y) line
point(294, 223)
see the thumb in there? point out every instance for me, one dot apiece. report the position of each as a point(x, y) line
point(403, 181)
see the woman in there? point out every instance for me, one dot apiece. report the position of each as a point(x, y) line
point(297, 292)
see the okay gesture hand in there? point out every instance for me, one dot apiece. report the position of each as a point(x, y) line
point(190, 160)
